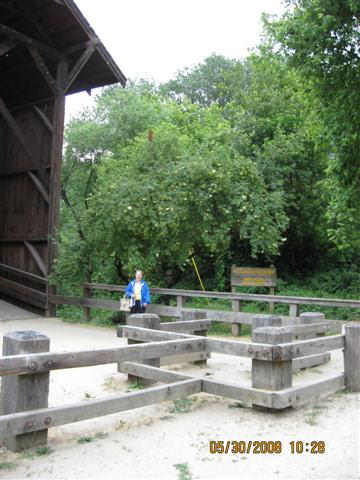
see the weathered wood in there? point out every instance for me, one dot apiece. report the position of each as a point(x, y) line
point(272, 304)
point(55, 173)
point(326, 302)
point(294, 310)
point(180, 302)
point(311, 317)
point(201, 361)
point(236, 329)
point(187, 315)
point(13, 125)
point(302, 348)
point(183, 359)
point(146, 321)
point(163, 310)
point(185, 326)
point(41, 65)
point(152, 373)
point(146, 335)
point(22, 273)
point(228, 390)
point(275, 375)
point(43, 362)
point(235, 304)
point(36, 256)
point(311, 360)
point(20, 393)
point(240, 349)
point(265, 321)
point(311, 329)
point(296, 396)
point(80, 64)
point(23, 293)
point(19, 37)
point(39, 185)
point(34, 420)
point(352, 357)
point(44, 119)
point(236, 392)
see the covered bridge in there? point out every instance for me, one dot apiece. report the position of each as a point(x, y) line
point(47, 51)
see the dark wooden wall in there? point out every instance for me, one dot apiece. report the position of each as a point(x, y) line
point(24, 212)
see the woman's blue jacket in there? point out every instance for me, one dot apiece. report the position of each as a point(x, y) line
point(145, 291)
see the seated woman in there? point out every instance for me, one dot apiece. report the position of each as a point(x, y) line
point(139, 293)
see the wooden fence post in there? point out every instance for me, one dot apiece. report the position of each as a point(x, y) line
point(294, 310)
point(25, 392)
point(352, 357)
point(272, 304)
point(180, 302)
point(201, 362)
point(144, 320)
point(236, 307)
point(86, 310)
point(271, 375)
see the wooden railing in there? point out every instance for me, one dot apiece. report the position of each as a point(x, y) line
point(269, 344)
point(16, 289)
point(236, 317)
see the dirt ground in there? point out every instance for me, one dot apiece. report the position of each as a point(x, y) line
point(171, 440)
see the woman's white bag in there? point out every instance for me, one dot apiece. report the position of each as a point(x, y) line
point(125, 304)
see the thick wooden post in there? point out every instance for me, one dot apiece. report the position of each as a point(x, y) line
point(144, 320)
point(271, 375)
point(312, 317)
point(25, 392)
point(201, 362)
point(265, 321)
point(55, 175)
point(352, 357)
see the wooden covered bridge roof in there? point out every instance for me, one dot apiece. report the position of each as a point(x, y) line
point(34, 36)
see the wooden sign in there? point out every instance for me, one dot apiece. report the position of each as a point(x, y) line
point(253, 277)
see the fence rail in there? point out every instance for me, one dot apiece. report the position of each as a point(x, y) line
point(288, 300)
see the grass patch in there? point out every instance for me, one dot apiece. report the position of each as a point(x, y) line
point(42, 451)
point(7, 466)
point(182, 405)
point(89, 439)
point(135, 386)
point(183, 471)
point(85, 439)
point(311, 416)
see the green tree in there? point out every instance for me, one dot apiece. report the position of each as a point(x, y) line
point(276, 123)
point(186, 190)
point(202, 84)
point(321, 38)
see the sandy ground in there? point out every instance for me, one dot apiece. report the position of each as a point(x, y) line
point(158, 442)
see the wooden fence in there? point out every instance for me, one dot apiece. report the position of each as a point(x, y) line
point(271, 349)
point(234, 317)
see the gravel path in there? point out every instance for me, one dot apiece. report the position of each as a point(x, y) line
point(163, 442)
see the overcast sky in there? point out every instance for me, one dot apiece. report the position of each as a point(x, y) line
point(154, 39)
